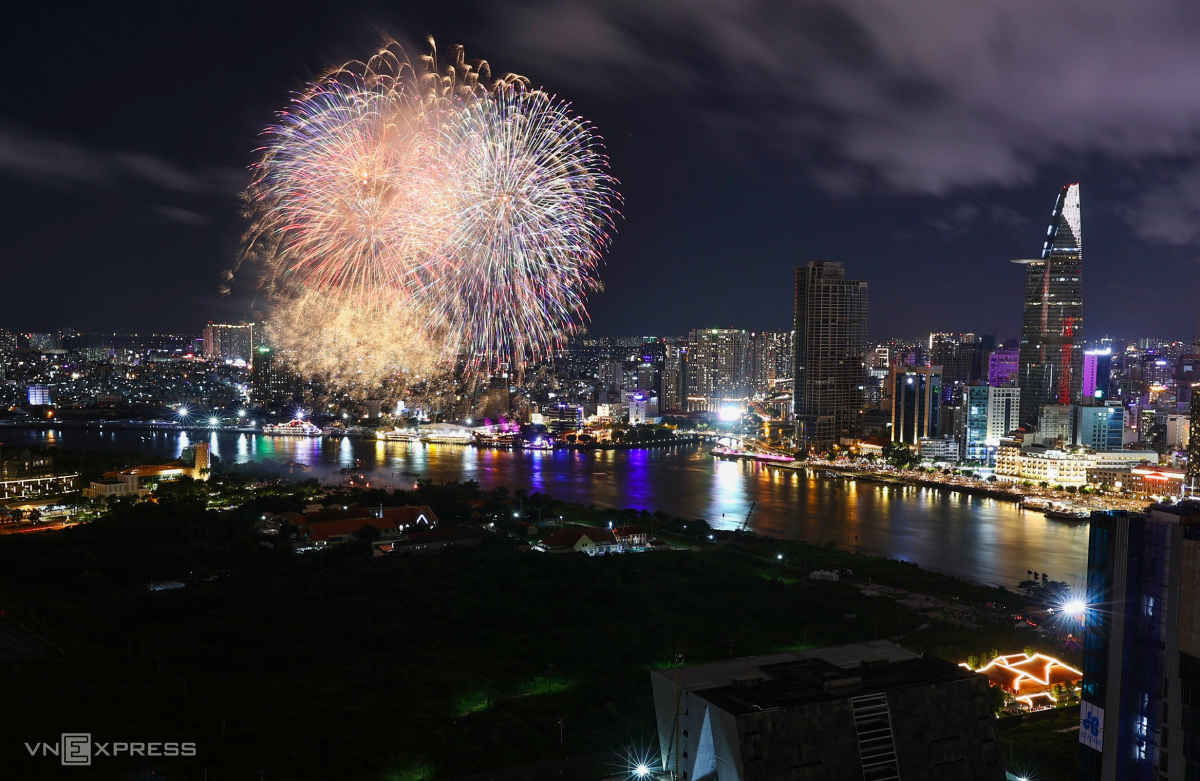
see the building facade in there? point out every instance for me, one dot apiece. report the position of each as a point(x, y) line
point(830, 343)
point(224, 342)
point(1140, 709)
point(916, 403)
point(867, 710)
point(1051, 355)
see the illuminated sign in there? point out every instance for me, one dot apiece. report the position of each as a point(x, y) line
point(1091, 726)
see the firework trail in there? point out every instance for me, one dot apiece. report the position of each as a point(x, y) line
point(407, 219)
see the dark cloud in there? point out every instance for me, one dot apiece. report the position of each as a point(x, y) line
point(59, 162)
point(927, 96)
point(183, 216)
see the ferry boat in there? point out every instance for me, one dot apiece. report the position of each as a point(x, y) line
point(540, 443)
point(398, 435)
point(1060, 512)
point(293, 428)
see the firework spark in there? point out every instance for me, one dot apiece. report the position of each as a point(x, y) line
point(406, 218)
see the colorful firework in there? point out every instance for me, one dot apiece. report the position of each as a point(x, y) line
point(470, 212)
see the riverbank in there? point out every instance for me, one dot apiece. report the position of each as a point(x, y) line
point(426, 666)
point(953, 484)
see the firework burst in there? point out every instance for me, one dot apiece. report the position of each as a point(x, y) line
point(407, 217)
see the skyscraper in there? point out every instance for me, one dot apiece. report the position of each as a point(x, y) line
point(229, 342)
point(1097, 373)
point(718, 364)
point(1051, 368)
point(1193, 448)
point(830, 346)
point(1140, 709)
point(916, 403)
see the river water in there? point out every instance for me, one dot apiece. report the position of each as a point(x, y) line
point(973, 537)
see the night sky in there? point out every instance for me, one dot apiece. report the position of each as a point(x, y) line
point(920, 143)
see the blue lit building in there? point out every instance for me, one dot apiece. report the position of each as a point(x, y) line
point(976, 403)
point(1140, 710)
point(1100, 428)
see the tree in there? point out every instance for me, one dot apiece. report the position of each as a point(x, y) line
point(369, 532)
point(899, 455)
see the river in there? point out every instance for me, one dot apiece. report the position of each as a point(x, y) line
point(974, 537)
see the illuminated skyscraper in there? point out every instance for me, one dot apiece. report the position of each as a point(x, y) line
point(1051, 363)
point(229, 342)
point(1193, 447)
point(1097, 373)
point(830, 345)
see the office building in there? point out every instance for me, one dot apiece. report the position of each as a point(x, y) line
point(830, 344)
point(1056, 425)
point(1097, 374)
point(1100, 428)
point(1187, 373)
point(562, 417)
point(1140, 710)
point(989, 414)
point(1193, 448)
point(1003, 367)
point(223, 342)
point(1051, 359)
point(38, 395)
point(871, 711)
point(973, 435)
point(916, 403)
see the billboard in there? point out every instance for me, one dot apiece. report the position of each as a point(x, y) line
point(1091, 725)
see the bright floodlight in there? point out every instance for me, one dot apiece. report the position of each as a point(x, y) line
point(213, 421)
point(641, 771)
point(729, 414)
point(241, 413)
point(1075, 606)
point(182, 412)
point(780, 557)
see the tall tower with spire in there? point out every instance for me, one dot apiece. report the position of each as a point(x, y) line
point(1051, 360)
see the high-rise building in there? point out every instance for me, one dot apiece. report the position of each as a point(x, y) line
point(916, 403)
point(1187, 372)
point(1051, 370)
point(610, 381)
point(770, 359)
point(830, 346)
point(718, 365)
point(271, 383)
point(1140, 709)
point(1097, 374)
point(225, 342)
point(1056, 425)
point(1003, 367)
point(1193, 448)
point(872, 711)
point(1100, 428)
point(673, 390)
point(38, 395)
point(1004, 413)
point(973, 437)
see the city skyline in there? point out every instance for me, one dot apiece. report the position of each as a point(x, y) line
point(146, 199)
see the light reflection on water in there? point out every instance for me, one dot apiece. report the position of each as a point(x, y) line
point(974, 537)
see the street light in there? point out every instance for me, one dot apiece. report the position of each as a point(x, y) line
point(641, 771)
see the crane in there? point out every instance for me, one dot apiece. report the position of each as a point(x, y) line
point(747, 518)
